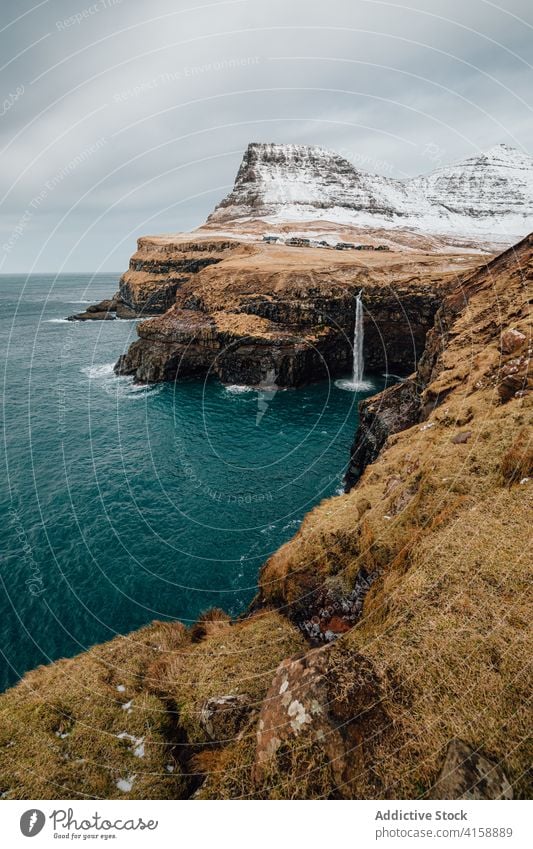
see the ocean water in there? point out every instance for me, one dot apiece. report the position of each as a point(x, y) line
point(121, 504)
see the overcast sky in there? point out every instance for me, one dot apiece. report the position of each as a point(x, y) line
point(124, 117)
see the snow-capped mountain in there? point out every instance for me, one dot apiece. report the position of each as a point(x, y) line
point(494, 184)
point(487, 197)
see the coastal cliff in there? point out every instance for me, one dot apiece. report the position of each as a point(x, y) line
point(385, 655)
point(161, 266)
point(252, 313)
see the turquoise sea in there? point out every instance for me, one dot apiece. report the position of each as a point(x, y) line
point(121, 504)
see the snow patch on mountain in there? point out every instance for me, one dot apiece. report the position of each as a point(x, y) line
point(488, 197)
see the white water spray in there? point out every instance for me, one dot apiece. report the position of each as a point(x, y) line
point(358, 337)
point(357, 382)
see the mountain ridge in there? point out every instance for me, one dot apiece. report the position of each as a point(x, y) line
point(488, 197)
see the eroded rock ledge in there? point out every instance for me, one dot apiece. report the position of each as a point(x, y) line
point(250, 313)
point(106, 310)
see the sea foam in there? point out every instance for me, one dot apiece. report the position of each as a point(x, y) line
point(121, 387)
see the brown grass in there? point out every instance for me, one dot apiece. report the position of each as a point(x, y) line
point(239, 659)
point(455, 632)
point(517, 462)
point(64, 732)
point(210, 622)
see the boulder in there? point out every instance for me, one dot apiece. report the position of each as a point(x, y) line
point(467, 774)
point(222, 717)
point(323, 708)
point(515, 378)
point(511, 341)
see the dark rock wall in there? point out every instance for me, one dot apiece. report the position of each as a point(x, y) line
point(311, 339)
point(393, 410)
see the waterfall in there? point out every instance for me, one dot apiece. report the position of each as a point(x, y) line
point(358, 336)
point(357, 383)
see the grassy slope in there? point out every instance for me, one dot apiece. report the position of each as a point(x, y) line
point(60, 726)
point(445, 528)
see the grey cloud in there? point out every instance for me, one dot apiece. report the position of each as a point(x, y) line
point(155, 103)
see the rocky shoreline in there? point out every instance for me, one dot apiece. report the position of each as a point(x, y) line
point(106, 310)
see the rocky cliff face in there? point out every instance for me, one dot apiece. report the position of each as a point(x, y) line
point(252, 313)
point(495, 186)
point(487, 198)
point(161, 266)
point(278, 179)
point(476, 360)
point(417, 580)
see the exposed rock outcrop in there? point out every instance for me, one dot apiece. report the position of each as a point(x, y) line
point(468, 774)
point(103, 311)
point(439, 523)
point(325, 708)
point(223, 716)
point(162, 265)
point(106, 310)
point(395, 409)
